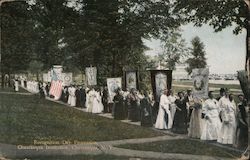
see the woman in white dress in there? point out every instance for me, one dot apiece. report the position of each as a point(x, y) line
point(90, 99)
point(228, 115)
point(162, 122)
point(212, 123)
point(97, 103)
point(16, 85)
point(172, 106)
point(72, 96)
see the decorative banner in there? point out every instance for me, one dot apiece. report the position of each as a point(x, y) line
point(113, 84)
point(200, 82)
point(131, 80)
point(67, 79)
point(160, 80)
point(91, 76)
point(160, 83)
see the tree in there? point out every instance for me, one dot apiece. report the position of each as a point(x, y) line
point(198, 59)
point(35, 67)
point(16, 35)
point(175, 50)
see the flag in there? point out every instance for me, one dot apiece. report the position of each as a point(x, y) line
point(56, 86)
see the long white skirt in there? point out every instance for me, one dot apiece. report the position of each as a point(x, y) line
point(211, 128)
point(160, 121)
point(97, 106)
point(227, 133)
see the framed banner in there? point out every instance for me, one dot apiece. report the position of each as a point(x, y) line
point(67, 79)
point(91, 73)
point(131, 80)
point(113, 84)
point(200, 82)
point(160, 80)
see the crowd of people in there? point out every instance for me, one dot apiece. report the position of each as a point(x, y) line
point(214, 119)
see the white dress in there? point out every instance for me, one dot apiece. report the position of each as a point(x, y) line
point(91, 95)
point(163, 108)
point(172, 100)
point(212, 124)
point(228, 115)
point(97, 103)
point(16, 86)
point(72, 96)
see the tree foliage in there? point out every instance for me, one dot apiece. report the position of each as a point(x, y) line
point(217, 13)
point(197, 59)
point(174, 50)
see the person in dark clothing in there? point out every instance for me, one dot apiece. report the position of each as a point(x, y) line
point(119, 106)
point(78, 97)
point(242, 124)
point(47, 88)
point(41, 92)
point(133, 106)
point(146, 111)
point(105, 96)
point(82, 97)
point(180, 119)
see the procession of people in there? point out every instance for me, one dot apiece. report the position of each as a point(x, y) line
point(211, 119)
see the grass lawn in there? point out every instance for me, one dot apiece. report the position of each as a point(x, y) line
point(87, 157)
point(185, 146)
point(24, 119)
point(10, 89)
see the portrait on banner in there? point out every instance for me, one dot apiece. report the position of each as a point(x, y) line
point(67, 78)
point(131, 79)
point(200, 82)
point(91, 73)
point(113, 84)
point(160, 83)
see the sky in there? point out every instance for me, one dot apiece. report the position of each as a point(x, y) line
point(225, 51)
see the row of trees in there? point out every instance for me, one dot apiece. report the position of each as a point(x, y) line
point(103, 33)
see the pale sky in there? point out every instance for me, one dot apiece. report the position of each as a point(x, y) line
point(225, 51)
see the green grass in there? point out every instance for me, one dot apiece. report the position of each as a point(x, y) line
point(10, 89)
point(87, 157)
point(184, 146)
point(24, 119)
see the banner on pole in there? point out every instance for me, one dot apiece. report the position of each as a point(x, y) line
point(200, 82)
point(113, 84)
point(67, 79)
point(160, 80)
point(131, 80)
point(91, 73)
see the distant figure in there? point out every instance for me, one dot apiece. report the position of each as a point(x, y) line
point(146, 111)
point(82, 97)
point(105, 99)
point(228, 113)
point(97, 102)
point(90, 99)
point(133, 106)
point(195, 119)
point(72, 96)
point(16, 86)
point(164, 119)
point(180, 119)
point(119, 105)
point(210, 114)
point(172, 99)
point(242, 124)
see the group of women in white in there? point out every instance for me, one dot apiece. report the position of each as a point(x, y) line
point(213, 120)
point(33, 86)
point(94, 101)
